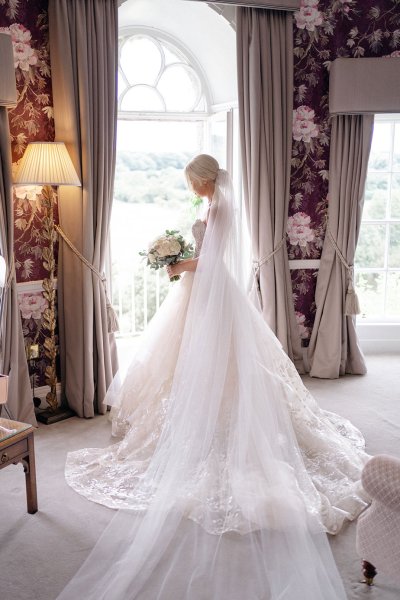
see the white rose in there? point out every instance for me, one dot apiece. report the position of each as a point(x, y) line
point(304, 127)
point(303, 330)
point(28, 192)
point(24, 56)
point(166, 246)
point(299, 230)
point(32, 305)
point(19, 33)
point(308, 17)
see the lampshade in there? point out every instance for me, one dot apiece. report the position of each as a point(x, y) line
point(46, 163)
point(8, 88)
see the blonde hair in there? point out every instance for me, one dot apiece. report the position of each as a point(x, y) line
point(200, 169)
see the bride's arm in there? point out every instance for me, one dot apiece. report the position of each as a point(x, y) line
point(190, 264)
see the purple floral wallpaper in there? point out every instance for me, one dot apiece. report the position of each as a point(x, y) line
point(324, 30)
point(31, 120)
point(26, 21)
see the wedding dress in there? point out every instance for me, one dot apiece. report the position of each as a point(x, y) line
point(228, 474)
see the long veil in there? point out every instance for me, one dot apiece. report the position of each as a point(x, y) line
point(228, 509)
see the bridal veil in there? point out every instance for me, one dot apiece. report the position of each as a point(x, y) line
point(226, 508)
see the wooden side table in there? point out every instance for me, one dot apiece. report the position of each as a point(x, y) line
point(16, 446)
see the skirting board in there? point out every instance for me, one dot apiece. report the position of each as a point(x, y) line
point(379, 338)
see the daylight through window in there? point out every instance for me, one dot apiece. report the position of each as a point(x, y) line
point(163, 108)
point(378, 252)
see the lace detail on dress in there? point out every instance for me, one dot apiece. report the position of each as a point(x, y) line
point(198, 231)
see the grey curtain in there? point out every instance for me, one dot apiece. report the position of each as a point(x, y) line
point(265, 80)
point(84, 49)
point(334, 348)
point(13, 359)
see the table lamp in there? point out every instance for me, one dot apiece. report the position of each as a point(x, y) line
point(48, 164)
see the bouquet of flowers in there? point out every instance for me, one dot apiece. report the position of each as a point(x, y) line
point(167, 249)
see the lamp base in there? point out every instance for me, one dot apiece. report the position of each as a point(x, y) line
point(53, 416)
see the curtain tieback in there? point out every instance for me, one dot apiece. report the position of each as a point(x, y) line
point(257, 264)
point(11, 273)
point(352, 305)
point(112, 319)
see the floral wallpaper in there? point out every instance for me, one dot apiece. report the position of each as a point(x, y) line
point(26, 21)
point(324, 30)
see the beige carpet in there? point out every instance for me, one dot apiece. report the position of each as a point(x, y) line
point(39, 553)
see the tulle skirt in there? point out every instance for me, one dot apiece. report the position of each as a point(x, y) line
point(331, 447)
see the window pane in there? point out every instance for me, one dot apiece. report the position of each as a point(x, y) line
point(147, 62)
point(376, 196)
point(150, 195)
point(141, 60)
point(180, 87)
point(121, 84)
point(370, 289)
point(217, 138)
point(396, 148)
point(371, 246)
point(393, 294)
point(160, 136)
point(201, 106)
point(170, 56)
point(394, 247)
point(142, 98)
point(395, 197)
point(379, 159)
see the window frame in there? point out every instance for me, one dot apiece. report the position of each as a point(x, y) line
point(380, 333)
point(161, 36)
point(386, 222)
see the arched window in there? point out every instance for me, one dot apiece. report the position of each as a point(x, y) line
point(158, 78)
point(177, 97)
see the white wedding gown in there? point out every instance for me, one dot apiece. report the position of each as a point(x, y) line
point(230, 470)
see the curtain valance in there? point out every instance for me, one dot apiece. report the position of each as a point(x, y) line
point(364, 85)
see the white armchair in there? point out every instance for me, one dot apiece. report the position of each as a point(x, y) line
point(378, 528)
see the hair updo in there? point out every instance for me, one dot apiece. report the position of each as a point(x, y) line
point(200, 169)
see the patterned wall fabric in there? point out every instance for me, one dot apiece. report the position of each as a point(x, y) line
point(32, 120)
point(324, 30)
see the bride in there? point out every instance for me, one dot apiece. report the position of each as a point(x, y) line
point(228, 473)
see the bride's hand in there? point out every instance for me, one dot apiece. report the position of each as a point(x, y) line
point(174, 270)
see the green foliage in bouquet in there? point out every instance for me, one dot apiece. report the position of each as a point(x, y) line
point(168, 249)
